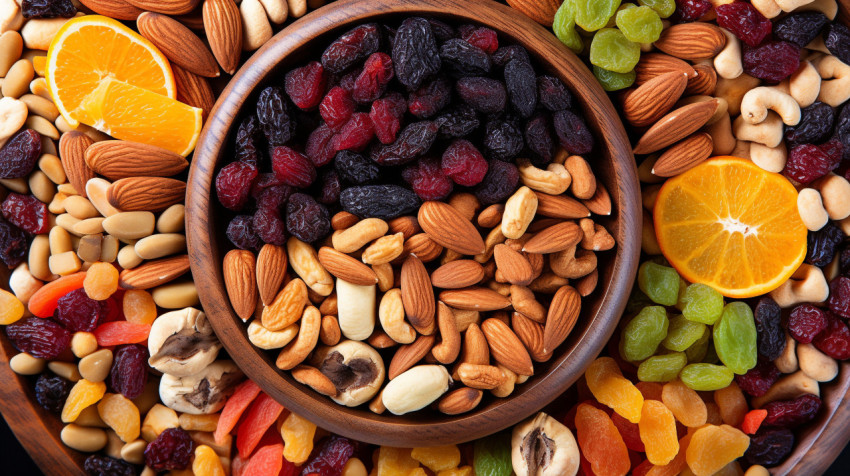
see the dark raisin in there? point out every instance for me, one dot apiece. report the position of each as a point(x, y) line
point(13, 244)
point(320, 147)
point(274, 117)
point(521, 84)
point(355, 134)
point(499, 183)
point(379, 201)
point(690, 10)
point(844, 260)
point(306, 85)
point(457, 122)
point(172, 449)
point(372, 81)
point(482, 37)
point(27, 213)
point(415, 53)
point(38, 337)
point(505, 54)
point(18, 156)
point(292, 167)
point(834, 341)
point(758, 379)
point(839, 296)
point(815, 125)
point(464, 164)
point(430, 99)
point(842, 130)
point(48, 8)
point(129, 372)
point(337, 107)
point(800, 28)
point(413, 141)
point(268, 224)
point(502, 140)
point(771, 338)
point(329, 456)
point(442, 30)
point(307, 219)
point(78, 312)
point(572, 132)
point(769, 446)
point(99, 465)
point(805, 322)
point(386, 115)
point(807, 163)
point(351, 48)
point(51, 392)
point(538, 137)
point(553, 95)
point(744, 21)
point(792, 413)
point(464, 59)
point(248, 140)
point(240, 232)
point(233, 184)
point(267, 181)
point(356, 169)
point(483, 94)
point(772, 61)
point(329, 187)
point(273, 197)
point(837, 41)
point(822, 245)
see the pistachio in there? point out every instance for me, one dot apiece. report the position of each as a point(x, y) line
point(356, 370)
point(542, 446)
point(182, 343)
point(202, 393)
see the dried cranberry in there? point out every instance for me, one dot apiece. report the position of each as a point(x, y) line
point(372, 82)
point(329, 187)
point(769, 446)
point(572, 132)
point(430, 99)
point(792, 413)
point(464, 164)
point(502, 140)
point(129, 371)
point(274, 117)
point(13, 244)
point(839, 296)
point(78, 312)
point(379, 201)
point(306, 219)
point(51, 392)
point(48, 8)
point(415, 53)
point(351, 48)
point(823, 244)
point(834, 341)
point(273, 197)
point(505, 54)
point(356, 169)
point(482, 37)
point(772, 61)
point(268, 224)
point(19, 154)
point(815, 125)
point(483, 94)
point(521, 84)
point(771, 338)
point(837, 41)
point(99, 465)
point(428, 180)
point(355, 134)
point(499, 183)
point(248, 140)
point(27, 213)
point(554, 96)
point(413, 141)
point(800, 28)
point(240, 232)
point(292, 167)
point(805, 322)
point(807, 163)
point(306, 85)
point(233, 184)
point(457, 122)
point(758, 379)
point(538, 137)
point(329, 456)
point(690, 10)
point(463, 59)
point(337, 107)
point(386, 115)
point(744, 21)
point(38, 337)
point(319, 147)
point(172, 449)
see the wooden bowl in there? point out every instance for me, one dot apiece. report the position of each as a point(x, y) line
point(613, 164)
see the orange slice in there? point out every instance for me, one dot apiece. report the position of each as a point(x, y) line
point(731, 225)
point(88, 49)
point(131, 113)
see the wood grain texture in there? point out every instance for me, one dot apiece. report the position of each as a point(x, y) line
point(615, 167)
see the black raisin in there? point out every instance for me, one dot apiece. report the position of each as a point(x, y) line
point(815, 125)
point(249, 139)
point(51, 392)
point(329, 187)
point(483, 94)
point(572, 132)
point(499, 183)
point(442, 30)
point(430, 99)
point(306, 219)
point(415, 54)
point(356, 169)
point(505, 54)
point(521, 84)
point(99, 465)
point(379, 201)
point(48, 9)
point(822, 245)
point(769, 446)
point(414, 140)
point(538, 137)
point(18, 156)
point(800, 28)
point(837, 41)
point(240, 232)
point(351, 48)
point(554, 96)
point(457, 122)
point(274, 117)
point(13, 244)
point(502, 140)
point(842, 130)
point(464, 59)
point(771, 338)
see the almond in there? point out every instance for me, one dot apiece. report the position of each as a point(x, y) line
point(117, 9)
point(408, 226)
point(560, 206)
point(475, 299)
point(555, 238)
point(409, 354)
point(170, 7)
point(223, 26)
point(676, 125)
point(506, 348)
point(238, 269)
point(655, 64)
point(530, 333)
point(475, 349)
point(457, 274)
point(154, 273)
point(541, 11)
point(704, 82)
point(315, 379)
point(446, 226)
point(193, 89)
point(653, 99)
point(72, 152)
point(346, 268)
point(153, 194)
point(460, 401)
point(177, 43)
point(117, 159)
point(271, 269)
point(562, 316)
point(692, 41)
point(417, 295)
point(684, 155)
point(483, 377)
point(514, 267)
point(423, 247)
point(600, 202)
point(343, 220)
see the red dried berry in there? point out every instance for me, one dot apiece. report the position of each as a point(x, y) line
point(758, 379)
point(807, 163)
point(329, 456)
point(839, 296)
point(482, 37)
point(351, 48)
point(792, 413)
point(483, 94)
point(431, 98)
point(27, 213)
point(355, 134)
point(268, 224)
point(428, 179)
point(172, 449)
point(129, 372)
point(464, 164)
point(744, 21)
point(306, 85)
point(38, 337)
point(292, 167)
point(691, 10)
point(805, 322)
point(233, 184)
point(240, 232)
point(834, 341)
point(319, 147)
point(372, 82)
point(78, 312)
point(337, 107)
point(19, 154)
point(772, 61)
point(306, 219)
point(834, 149)
point(386, 115)
point(413, 141)
point(273, 197)
point(499, 183)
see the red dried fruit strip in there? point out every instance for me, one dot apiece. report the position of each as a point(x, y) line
point(267, 461)
point(121, 332)
point(262, 414)
point(43, 303)
point(242, 397)
point(752, 421)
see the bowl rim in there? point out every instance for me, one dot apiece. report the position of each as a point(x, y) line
point(360, 423)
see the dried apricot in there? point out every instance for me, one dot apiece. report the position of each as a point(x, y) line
point(600, 442)
point(674, 467)
point(658, 432)
point(11, 308)
point(207, 462)
point(109, 334)
point(685, 403)
point(297, 434)
point(395, 461)
point(268, 460)
point(462, 471)
point(262, 415)
point(713, 447)
point(45, 300)
point(242, 397)
point(437, 458)
point(608, 385)
point(121, 414)
point(83, 394)
point(732, 403)
point(101, 281)
point(139, 307)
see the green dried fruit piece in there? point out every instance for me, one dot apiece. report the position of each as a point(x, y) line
point(662, 368)
point(735, 338)
point(612, 81)
point(682, 334)
point(660, 283)
point(644, 333)
point(640, 24)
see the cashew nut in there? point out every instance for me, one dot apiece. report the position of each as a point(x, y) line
point(266, 339)
point(356, 309)
point(787, 360)
point(771, 159)
point(816, 364)
point(305, 262)
point(836, 91)
point(733, 90)
point(555, 180)
point(791, 5)
point(817, 49)
point(768, 8)
point(835, 191)
point(827, 7)
point(788, 387)
point(596, 237)
point(742, 149)
point(768, 132)
point(449, 347)
point(804, 84)
point(572, 263)
point(308, 335)
point(721, 135)
point(727, 63)
point(757, 101)
point(13, 114)
point(256, 29)
point(811, 209)
point(807, 284)
point(391, 315)
point(202, 393)
point(182, 343)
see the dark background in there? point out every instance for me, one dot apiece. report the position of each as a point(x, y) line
point(15, 461)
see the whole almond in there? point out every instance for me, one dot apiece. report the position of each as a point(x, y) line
point(530, 333)
point(342, 220)
point(555, 238)
point(315, 379)
point(600, 202)
point(153, 194)
point(562, 316)
point(691, 41)
point(417, 295)
point(541, 11)
point(170, 7)
point(72, 152)
point(117, 159)
point(271, 269)
point(193, 89)
point(238, 269)
point(506, 348)
point(346, 268)
point(704, 82)
point(655, 64)
point(409, 355)
point(684, 155)
point(223, 25)
point(483, 377)
point(560, 206)
point(514, 267)
point(653, 99)
point(475, 299)
point(423, 247)
point(449, 228)
point(457, 274)
point(154, 273)
point(408, 226)
point(178, 43)
point(475, 349)
point(117, 9)
point(676, 125)
point(460, 401)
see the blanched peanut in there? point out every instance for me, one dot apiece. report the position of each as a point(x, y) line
point(811, 209)
point(787, 361)
point(721, 135)
point(835, 191)
point(391, 315)
point(768, 8)
point(23, 284)
point(256, 29)
point(757, 102)
point(807, 284)
point(276, 10)
point(26, 364)
point(768, 132)
point(520, 209)
point(13, 115)
point(10, 16)
point(83, 344)
point(835, 87)
point(816, 364)
point(804, 84)
point(39, 32)
point(359, 235)
point(771, 159)
point(87, 440)
point(727, 63)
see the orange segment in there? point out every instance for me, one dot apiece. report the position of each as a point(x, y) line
point(731, 225)
point(131, 113)
point(90, 48)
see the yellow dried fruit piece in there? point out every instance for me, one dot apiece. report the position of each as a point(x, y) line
point(139, 307)
point(158, 419)
point(101, 281)
point(395, 461)
point(83, 394)
point(417, 472)
point(437, 458)
point(297, 434)
point(714, 446)
point(11, 308)
point(121, 415)
point(462, 471)
point(206, 462)
point(191, 422)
